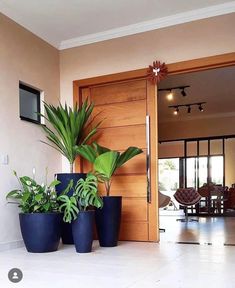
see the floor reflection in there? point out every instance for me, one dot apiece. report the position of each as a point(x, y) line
point(209, 230)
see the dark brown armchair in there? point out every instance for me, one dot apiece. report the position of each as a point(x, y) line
point(187, 197)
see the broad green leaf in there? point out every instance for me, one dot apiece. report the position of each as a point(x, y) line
point(127, 155)
point(106, 163)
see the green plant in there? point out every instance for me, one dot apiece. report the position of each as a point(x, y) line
point(34, 198)
point(85, 194)
point(71, 128)
point(106, 161)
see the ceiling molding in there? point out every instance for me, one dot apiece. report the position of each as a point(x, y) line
point(197, 117)
point(145, 26)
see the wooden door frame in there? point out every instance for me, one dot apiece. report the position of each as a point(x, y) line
point(200, 64)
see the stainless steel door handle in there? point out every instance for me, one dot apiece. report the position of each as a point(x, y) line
point(148, 169)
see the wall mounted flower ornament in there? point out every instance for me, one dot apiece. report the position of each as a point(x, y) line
point(157, 72)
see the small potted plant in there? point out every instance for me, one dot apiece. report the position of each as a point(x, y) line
point(66, 129)
point(40, 219)
point(78, 210)
point(105, 163)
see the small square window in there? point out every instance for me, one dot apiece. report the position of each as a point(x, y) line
point(30, 104)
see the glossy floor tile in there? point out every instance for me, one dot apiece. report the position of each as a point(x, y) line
point(130, 265)
point(215, 230)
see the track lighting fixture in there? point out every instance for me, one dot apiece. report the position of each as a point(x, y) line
point(188, 106)
point(170, 95)
point(183, 93)
point(176, 112)
point(200, 108)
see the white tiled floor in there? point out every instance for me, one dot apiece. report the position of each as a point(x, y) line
point(130, 265)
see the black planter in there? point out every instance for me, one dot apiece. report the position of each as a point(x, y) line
point(64, 178)
point(108, 220)
point(82, 229)
point(41, 232)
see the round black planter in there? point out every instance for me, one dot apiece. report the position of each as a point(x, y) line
point(41, 232)
point(108, 220)
point(64, 178)
point(82, 229)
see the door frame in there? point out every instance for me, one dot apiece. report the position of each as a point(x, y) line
point(194, 65)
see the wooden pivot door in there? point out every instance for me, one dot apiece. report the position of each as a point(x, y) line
point(122, 106)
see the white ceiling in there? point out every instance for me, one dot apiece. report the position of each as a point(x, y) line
point(215, 86)
point(72, 23)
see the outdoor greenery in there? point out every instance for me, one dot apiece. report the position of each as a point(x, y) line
point(85, 194)
point(106, 161)
point(70, 128)
point(34, 198)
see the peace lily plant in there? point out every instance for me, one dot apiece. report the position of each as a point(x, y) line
point(32, 197)
point(40, 219)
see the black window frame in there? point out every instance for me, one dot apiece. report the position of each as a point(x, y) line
point(38, 94)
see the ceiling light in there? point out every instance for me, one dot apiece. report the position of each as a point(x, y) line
point(183, 93)
point(176, 112)
point(188, 106)
point(200, 108)
point(169, 96)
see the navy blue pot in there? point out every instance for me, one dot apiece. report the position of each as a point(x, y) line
point(108, 220)
point(64, 178)
point(41, 232)
point(82, 229)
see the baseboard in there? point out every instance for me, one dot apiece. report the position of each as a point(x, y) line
point(11, 245)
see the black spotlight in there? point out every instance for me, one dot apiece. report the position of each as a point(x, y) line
point(200, 108)
point(189, 109)
point(183, 93)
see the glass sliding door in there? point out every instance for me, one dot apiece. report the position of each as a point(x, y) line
point(217, 169)
point(168, 175)
point(202, 171)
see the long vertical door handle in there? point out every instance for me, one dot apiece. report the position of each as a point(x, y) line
point(148, 159)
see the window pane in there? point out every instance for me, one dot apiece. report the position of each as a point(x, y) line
point(203, 170)
point(168, 175)
point(217, 168)
point(191, 172)
point(203, 147)
point(216, 147)
point(29, 103)
point(191, 148)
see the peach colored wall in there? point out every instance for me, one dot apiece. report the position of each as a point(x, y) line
point(197, 128)
point(192, 40)
point(25, 57)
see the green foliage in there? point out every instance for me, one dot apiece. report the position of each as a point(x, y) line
point(85, 194)
point(70, 128)
point(106, 161)
point(35, 198)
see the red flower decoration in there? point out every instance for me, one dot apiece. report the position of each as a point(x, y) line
point(157, 72)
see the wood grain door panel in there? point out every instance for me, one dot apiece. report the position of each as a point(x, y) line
point(123, 114)
point(119, 138)
point(123, 106)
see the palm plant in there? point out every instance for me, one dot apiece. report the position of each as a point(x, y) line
point(85, 194)
point(71, 127)
point(106, 161)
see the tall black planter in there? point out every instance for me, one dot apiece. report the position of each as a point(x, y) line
point(108, 220)
point(82, 229)
point(64, 178)
point(41, 232)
